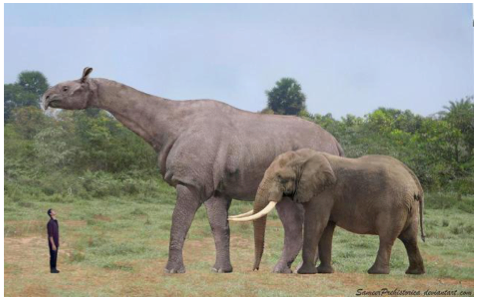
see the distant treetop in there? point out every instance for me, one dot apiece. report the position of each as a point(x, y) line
point(286, 98)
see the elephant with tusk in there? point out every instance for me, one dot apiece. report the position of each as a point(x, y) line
point(369, 195)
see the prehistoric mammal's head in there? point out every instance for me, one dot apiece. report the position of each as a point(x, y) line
point(71, 95)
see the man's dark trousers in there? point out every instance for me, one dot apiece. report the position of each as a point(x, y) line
point(53, 258)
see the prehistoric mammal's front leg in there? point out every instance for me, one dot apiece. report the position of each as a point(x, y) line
point(291, 215)
point(187, 204)
point(217, 210)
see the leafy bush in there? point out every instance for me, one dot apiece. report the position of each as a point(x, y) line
point(435, 148)
point(90, 155)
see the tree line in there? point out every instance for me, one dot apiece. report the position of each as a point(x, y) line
point(439, 148)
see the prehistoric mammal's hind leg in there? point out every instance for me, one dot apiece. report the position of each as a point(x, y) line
point(291, 215)
point(409, 238)
point(187, 204)
point(324, 247)
point(217, 210)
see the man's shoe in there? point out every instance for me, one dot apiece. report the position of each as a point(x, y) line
point(55, 271)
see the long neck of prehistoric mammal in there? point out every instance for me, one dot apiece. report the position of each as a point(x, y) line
point(150, 117)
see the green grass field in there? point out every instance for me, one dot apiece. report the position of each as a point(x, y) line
point(117, 245)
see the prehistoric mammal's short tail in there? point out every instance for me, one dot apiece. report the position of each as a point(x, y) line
point(340, 149)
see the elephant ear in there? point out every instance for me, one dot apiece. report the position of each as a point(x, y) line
point(316, 176)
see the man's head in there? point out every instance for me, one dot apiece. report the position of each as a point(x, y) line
point(51, 213)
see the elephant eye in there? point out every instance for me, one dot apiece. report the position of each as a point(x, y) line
point(65, 88)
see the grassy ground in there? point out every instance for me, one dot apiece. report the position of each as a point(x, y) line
point(118, 246)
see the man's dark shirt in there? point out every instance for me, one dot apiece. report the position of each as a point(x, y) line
point(53, 231)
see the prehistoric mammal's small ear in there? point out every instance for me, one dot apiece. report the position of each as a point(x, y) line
point(86, 72)
point(316, 175)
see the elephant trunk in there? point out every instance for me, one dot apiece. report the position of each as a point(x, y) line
point(262, 199)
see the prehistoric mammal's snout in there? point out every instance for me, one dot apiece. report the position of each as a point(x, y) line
point(48, 100)
point(45, 100)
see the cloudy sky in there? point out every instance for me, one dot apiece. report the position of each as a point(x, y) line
point(349, 58)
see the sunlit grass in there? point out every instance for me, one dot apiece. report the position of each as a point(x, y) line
point(118, 245)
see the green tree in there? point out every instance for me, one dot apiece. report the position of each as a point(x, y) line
point(460, 114)
point(25, 92)
point(286, 98)
point(267, 111)
point(33, 82)
point(10, 100)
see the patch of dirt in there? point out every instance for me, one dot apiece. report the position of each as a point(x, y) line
point(35, 290)
point(240, 242)
point(199, 251)
point(463, 264)
point(101, 217)
point(409, 282)
point(26, 273)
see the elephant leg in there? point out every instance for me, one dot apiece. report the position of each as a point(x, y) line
point(409, 238)
point(314, 226)
point(186, 206)
point(381, 265)
point(317, 256)
point(217, 210)
point(324, 247)
point(291, 215)
point(387, 231)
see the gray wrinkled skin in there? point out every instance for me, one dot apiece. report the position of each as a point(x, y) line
point(209, 151)
point(373, 194)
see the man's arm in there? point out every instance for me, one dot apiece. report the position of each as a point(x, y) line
point(53, 246)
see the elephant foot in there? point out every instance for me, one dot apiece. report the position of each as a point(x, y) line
point(226, 268)
point(325, 269)
point(307, 269)
point(416, 270)
point(282, 269)
point(378, 270)
point(174, 268)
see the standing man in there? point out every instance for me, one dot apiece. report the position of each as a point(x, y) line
point(53, 239)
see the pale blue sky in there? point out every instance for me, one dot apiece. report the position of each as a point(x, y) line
point(349, 58)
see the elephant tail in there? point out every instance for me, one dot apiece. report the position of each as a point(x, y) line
point(421, 221)
point(420, 198)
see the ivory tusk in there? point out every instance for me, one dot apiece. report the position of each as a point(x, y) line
point(243, 214)
point(257, 215)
